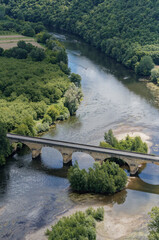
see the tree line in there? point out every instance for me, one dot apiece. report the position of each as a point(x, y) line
point(124, 30)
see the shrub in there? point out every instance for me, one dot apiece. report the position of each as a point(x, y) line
point(129, 143)
point(42, 37)
point(47, 119)
point(5, 149)
point(77, 226)
point(144, 66)
point(42, 127)
point(107, 178)
point(37, 54)
point(155, 75)
point(72, 98)
point(98, 215)
point(76, 79)
point(153, 225)
point(53, 112)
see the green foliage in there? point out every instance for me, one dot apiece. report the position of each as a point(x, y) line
point(145, 66)
point(98, 214)
point(28, 31)
point(153, 225)
point(155, 75)
point(42, 37)
point(76, 79)
point(107, 178)
point(5, 148)
point(77, 226)
point(124, 30)
point(37, 54)
point(129, 144)
point(26, 128)
point(73, 98)
point(2, 11)
point(53, 112)
point(42, 127)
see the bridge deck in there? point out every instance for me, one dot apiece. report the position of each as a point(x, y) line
point(82, 147)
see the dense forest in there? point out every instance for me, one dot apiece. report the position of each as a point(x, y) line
point(125, 30)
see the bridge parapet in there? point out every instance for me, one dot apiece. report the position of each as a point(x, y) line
point(99, 154)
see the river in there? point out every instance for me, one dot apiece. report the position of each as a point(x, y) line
point(34, 192)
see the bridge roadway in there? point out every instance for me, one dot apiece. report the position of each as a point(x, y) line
point(133, 159)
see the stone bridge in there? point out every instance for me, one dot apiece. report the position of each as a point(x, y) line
point(98, 153)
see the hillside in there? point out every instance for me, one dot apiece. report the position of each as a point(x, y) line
point(125, 30)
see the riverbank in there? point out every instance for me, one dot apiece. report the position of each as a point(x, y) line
point(122, 131)
point(155, 92)
point(114, 227)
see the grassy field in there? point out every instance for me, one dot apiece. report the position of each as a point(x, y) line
point(9, 41)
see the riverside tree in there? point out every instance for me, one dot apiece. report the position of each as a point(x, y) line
point(129, 143)
point(153, 225)
point(107, 178)
point(5, 148)
point(73, 98)
point(80, 225)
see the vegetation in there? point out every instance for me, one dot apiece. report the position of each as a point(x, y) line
point(124, 30)
point(154, 224)
point(35, 85)
point(5, 148)
point(107, 178)
point(78, 226)
point(129, 144)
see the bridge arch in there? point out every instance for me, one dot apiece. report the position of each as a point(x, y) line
point(85, 160)
point(51, 157)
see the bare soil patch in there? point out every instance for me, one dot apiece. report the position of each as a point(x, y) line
point(9, 41)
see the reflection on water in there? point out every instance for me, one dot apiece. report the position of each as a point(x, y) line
point(33, 192)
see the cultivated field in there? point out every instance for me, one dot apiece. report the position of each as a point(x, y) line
point(9, 41)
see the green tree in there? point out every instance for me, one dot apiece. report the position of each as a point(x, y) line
point(5, 148)
point(107, 178)
point(37, 54)
point(155, 75)
point(153, 225)
point(110, 139)
point(76, 79)
point(145, 66)
point(73, 98)
point(53, 112)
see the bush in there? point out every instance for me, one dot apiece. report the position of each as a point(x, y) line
point(153, 226)
point(77, 226)
point(5, 148)
point(28, 31)
point(98, 215)
point(107, 178)
point(53, 112)
point(37, 54)
point(145, 66)
point(128, 144)
point(155, 75)
point(72, 98)
point(42, 37)
point(76, 79)
point(47, 119)
point(42, 127)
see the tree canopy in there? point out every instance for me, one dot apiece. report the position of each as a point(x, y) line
point(107, 178)
point(125, 30)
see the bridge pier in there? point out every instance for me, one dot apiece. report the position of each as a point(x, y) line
point(67, 159)
point(36, 153)
point(133, 169)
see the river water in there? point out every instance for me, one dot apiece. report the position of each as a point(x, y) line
point(34, 192)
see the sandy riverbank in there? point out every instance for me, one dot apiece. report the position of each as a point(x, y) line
point(114, 227)
point(122, 131)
